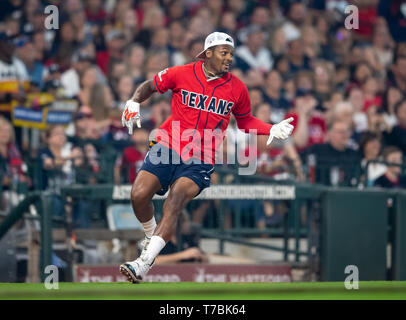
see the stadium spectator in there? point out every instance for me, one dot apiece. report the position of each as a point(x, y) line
point(382, 43)
point(129, 26)
point(296, 15)
point(123, 90)
point(95, 12)
point(70, 78)
point(356, 98)
point(368, 14)
point(189, 50)
point(281, 159)
point(297, 57)
point(344, 111)
point(397, 73)
point(159, 39)
point(101, 101)
point(311, 44)
point(228, 24)
point(88, 79)
point(256, 97)
point(12, 71)
point(81, 120)
point(370, 149)
point(392, 177)
point(128, 164)
point(310, 126)
point(323, 79)
point(397, 137)
point(274, 96)
point(304, 80)
point(376, 121)
point(336, 163)
point(153, 19)
point(322, 26)
point(42, 45)
point(390, 98)
point(11, 164)
point(134, 60)
point(277, 42)
point(64, 39)
point(371, 97)
point(253, 54)
point(57, 161)
point(117, 70)
point(115, 42)
point(176, 36)
point(84, 31)
point(341, 42)
point(155, 62)
point(26, 52)
point(176, 11)
point(395, 18)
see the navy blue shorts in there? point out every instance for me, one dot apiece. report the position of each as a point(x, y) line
point(167, 165)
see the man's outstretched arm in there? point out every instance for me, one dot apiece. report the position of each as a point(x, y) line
point(144, 91)
point(132, 107)
point(281, 130)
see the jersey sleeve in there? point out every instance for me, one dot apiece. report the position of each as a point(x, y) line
point(243, 106)
point(245, 120)
point(166, 79)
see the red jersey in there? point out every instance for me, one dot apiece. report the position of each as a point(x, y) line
point(317, 128)
point(130, 163)
point(201, 111)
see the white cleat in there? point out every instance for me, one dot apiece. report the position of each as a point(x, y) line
point(144, 244)
point(136, 270)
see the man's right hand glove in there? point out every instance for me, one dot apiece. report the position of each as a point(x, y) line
point(282, 130)
point(131, 112)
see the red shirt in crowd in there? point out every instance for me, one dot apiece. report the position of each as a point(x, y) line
point(316, 126)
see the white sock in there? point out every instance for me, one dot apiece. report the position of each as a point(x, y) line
point(149, 227)
point(155, 246)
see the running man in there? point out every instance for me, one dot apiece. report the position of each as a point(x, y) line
point(205, 94)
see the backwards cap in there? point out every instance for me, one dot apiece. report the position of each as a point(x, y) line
point(215, 39)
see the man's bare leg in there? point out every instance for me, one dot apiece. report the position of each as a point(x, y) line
point(144, 187)
point(182, 191)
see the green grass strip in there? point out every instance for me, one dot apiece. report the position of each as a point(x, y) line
point(368, 290)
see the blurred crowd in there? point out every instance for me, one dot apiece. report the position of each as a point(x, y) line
point(345, 88)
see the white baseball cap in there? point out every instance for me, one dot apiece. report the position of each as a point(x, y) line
point(215, 39)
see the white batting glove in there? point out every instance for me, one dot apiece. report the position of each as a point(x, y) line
point(131, 112)
point(282, 130)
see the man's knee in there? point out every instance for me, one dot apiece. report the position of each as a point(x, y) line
point(144, 188)
point(141, 195)
point(181, 193)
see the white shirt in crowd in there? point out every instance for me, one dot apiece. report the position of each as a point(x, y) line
point(261, 61)
point(16, 71)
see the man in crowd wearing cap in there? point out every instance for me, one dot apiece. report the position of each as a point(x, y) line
point(115, 42)
point(181, 158)
point(12, 74)
point(254, 54)
point(26, 52)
